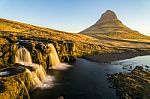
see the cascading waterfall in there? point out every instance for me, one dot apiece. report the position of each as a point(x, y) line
point(23, 56)
point(39, 75)
point(54, 59)
point(35, 80)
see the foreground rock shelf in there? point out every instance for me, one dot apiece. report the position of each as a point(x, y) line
point(15, 85)
point(19, 78)
point(133, 85)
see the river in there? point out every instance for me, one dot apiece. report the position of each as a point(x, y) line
point(86, 79)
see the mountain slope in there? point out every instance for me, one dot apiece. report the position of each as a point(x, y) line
point(22, 29)
point(84, 44)
point(110, 26)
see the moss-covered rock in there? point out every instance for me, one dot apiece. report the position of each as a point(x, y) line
point(17, 85)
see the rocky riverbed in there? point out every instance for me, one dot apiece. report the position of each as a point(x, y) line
point(114, 56)
point(133, 85)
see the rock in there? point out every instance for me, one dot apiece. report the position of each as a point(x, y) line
point(26, 44)
point(16, 86)
point(61, 97)
point(2, 87)
point(11, 38)
point(12, 71)
point(138, 68)
point(133, 85)
point(70, 47)
point(40, 46)
point(73, 58)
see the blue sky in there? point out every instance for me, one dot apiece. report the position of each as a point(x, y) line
point(76, 15)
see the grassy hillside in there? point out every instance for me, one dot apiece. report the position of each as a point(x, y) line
point(95, 42)
point(18, 29)
point(84, 43)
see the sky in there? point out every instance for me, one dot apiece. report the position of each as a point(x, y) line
point(76, 15)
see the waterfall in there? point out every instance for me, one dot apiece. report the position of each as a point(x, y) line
point(41, 74)
point(38, 75)
point(35, 80)
point(23, 56)
point(54, 59)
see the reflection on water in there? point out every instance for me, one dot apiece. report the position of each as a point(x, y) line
point(129, 64)
point(61, 66)
point(86, 79)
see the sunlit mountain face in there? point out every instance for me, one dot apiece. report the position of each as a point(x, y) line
point(109, 25)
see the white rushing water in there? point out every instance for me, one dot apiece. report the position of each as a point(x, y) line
point(38, 75)
point(55, 61)
point(23, 56)
point(4, 73)
point(61, 66)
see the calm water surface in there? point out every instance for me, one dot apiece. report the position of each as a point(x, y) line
point(86, 79)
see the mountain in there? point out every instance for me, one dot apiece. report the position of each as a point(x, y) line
point(110, 26)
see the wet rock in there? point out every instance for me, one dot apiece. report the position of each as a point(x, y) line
point(2, 87)
point(132, 85)
point(16, 86)
point(12, 71)
point(40, 46)
point(61, 97)
point(26, 44)
point(11, 38)
point(65, 58)
point(138, 68)
point(73, 58)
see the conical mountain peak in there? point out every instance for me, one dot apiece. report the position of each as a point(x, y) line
point(107, 16)
point(108, 23)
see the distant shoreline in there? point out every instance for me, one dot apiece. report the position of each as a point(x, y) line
point(110, 57)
